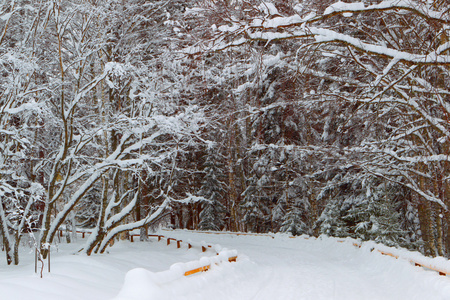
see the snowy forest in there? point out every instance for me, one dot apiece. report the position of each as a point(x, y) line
point(304, 117)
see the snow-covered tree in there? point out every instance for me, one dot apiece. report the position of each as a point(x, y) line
point(386, 62)
point(20, 193)
point(212, 216)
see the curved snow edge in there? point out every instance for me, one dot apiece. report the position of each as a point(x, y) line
point(143, 284)
point(438, 264)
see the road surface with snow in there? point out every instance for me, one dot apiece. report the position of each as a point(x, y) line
point(267, 268)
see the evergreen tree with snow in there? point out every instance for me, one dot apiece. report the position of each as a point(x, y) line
point(376, 217)
point(296, 196)
point(255, 205)
point(293, 222)
point(213, 212)
point(331, 221)
point(364, 209)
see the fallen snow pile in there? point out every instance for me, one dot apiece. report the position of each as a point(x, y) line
point(143, 284)
point(440, 264)
point(436, 263)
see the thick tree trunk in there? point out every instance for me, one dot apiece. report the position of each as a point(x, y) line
point(439, 231)
point(16, 249)
point(426, 227)
point(446, 225)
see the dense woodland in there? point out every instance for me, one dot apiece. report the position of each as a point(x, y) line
point(305, 117)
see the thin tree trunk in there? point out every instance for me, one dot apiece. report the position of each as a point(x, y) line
point(99, 233)
point(6, 247)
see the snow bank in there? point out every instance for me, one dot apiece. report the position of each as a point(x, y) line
point(439, 264)
point(143, 284)
point(270, 267)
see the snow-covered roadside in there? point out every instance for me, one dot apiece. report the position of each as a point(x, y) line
point(284, 268)
point(76, 276)
point(267, 268)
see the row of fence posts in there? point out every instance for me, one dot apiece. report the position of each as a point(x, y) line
point(204, 248)
point(38, 256)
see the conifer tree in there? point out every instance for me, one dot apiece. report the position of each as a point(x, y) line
point(213, 212)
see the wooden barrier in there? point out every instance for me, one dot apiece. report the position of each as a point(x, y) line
point(198, 270)
point(149, 235)
point(415, 263)
point(226, 232)
point(83, 233)
point(232, 259)
point(387, 254)
point(441, 272)
point(169, 240)
point(208, 267)
point(187, 273)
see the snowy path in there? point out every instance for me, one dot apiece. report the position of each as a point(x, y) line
point(283, 268)
point(267, 268)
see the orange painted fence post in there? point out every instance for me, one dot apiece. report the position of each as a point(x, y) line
point(198, 270)
point(208, 267)
point(441, 272)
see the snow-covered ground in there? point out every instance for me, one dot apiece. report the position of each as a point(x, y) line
point(267, 268)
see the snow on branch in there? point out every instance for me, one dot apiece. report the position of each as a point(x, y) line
point(190, 199)
point(262, 29)
point(420, 158)
point(420, 8)
point(152, 216)
point(322, 35)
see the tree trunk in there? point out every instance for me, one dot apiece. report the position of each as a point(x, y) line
point(97, 235)
point(16, 249)
point(6, 247)
point(446, 225)
point(439, 230)
point(426, 227)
